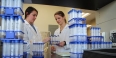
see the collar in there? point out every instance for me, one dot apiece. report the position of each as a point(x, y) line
point(26, 22)
point(65, 26)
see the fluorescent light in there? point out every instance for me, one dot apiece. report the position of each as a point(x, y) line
point(89, 25)
point(85, 14)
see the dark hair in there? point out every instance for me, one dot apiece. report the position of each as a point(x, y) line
point(60, 13)
point(29, 10)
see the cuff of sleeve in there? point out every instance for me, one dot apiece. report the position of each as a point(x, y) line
point(65, 43)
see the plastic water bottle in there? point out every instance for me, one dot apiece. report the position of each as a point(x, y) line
point(17, 47)
point(82, 32)
point(99, 30)
point(96, 31)
point(12, 48)
point(16, 24)
point(14, 1)
point(99, 46)
point(85, 45)
point(72, 14)
point(76, 15)
point(9, 47)
point(34, 49)
point(21, 48)
point(3, 27)
point(8, 23)
point(85, 29)
point(3, 4)
point(4, 48)
point(75, 48)
point(8, 3)
point(92, 45)
point(79, 14)
point(71, 50)
point(11, 23)
point(79, 30)
point(82, 29)
point(19, 3)
point(19, 23)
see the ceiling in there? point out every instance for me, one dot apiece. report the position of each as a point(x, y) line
point(83, 4)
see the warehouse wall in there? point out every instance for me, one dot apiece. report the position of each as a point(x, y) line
point(106, 19)
point(45, 15)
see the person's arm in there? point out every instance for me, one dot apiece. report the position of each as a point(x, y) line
point(67, 40)
point(26, 39)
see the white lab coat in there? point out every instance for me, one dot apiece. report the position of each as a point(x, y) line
point(30, 36)
point(63, 36)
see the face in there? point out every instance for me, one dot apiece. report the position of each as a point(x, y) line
point(59, 19)
point(32, 16)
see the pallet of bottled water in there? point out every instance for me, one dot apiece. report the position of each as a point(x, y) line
point(10, 7)
point(11, 27)
point(12, 49)
point(78, 33)
point(96, 41)
point(38, 50)
point(54, 40)
point(78, 49)
point(78, 29)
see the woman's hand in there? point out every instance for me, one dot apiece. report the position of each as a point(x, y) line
point(46, 39)
point(53, 48)
point(61, 44)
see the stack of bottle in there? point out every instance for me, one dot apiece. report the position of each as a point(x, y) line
point(54, 40)
point(78, 34)
point(38, 50)
point(96, 40)
point(25, 53)
point(12, 28)
point(11, 7)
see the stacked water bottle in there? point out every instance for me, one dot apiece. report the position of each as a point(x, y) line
point(38, 50)
point(78, 35)
point(96, 40)
point(12, 28)
point(54, 40)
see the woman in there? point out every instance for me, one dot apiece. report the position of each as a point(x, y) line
point(63, 32)
point(31, 33)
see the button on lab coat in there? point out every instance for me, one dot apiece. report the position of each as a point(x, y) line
point(31, 36)
point(63, 36)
